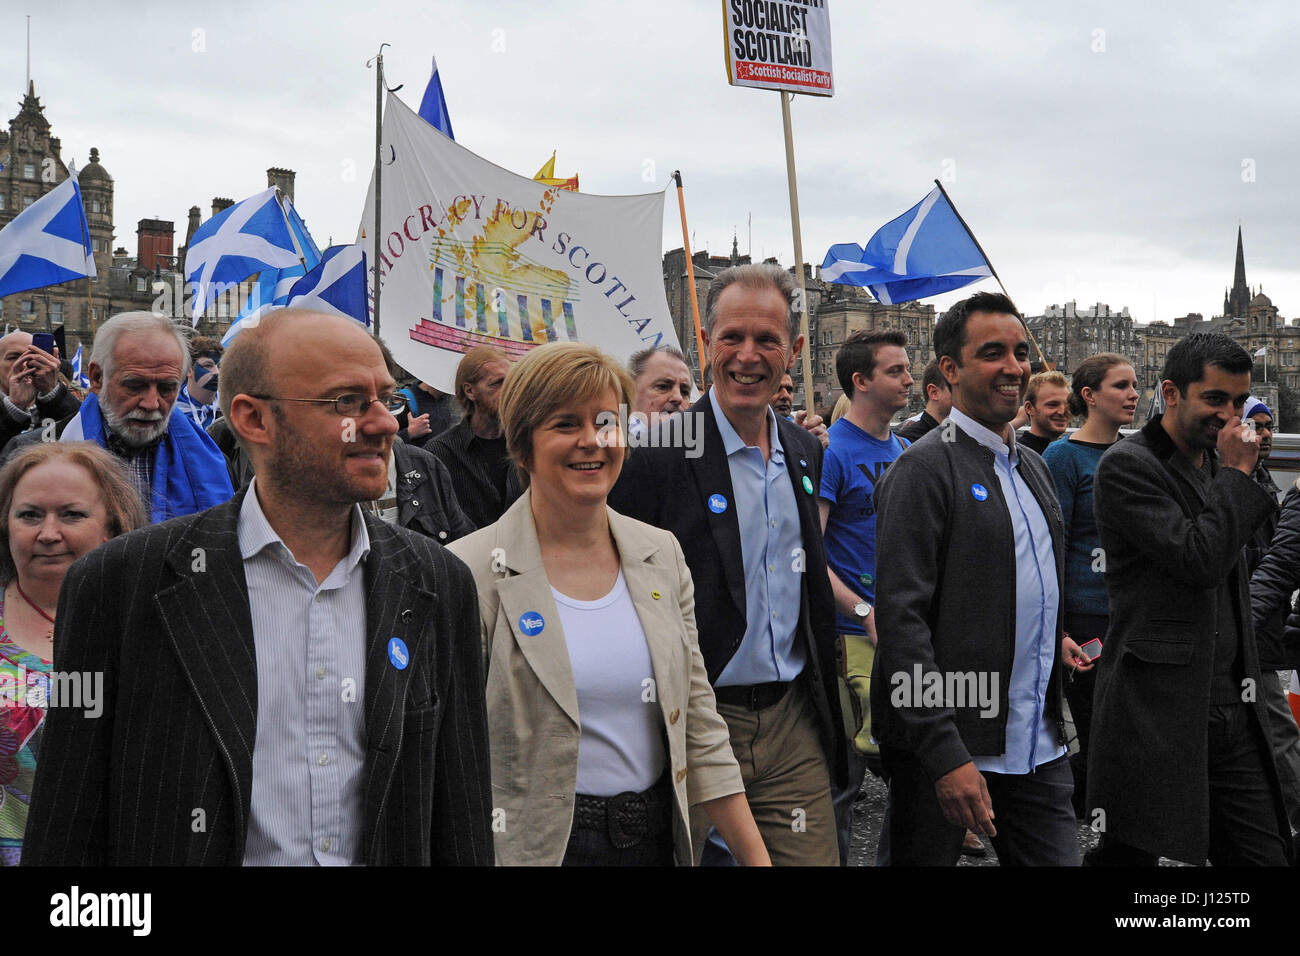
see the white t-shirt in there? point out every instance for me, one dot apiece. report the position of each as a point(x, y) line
point(622, 746)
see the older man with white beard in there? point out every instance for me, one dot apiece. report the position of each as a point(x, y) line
point(136, 368)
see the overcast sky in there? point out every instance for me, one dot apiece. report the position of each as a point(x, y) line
point(1100, 151)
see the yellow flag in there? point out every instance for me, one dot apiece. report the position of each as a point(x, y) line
point(548, 169)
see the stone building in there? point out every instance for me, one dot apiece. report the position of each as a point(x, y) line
point(1068, 334)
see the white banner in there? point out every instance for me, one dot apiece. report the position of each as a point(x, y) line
point(471, 254)
point(779, 45)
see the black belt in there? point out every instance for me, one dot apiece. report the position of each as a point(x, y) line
point(628, 817)
point(752, 696)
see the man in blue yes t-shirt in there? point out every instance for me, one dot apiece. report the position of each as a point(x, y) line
point(873, 370)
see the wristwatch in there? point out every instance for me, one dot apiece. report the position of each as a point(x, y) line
point(862, 609)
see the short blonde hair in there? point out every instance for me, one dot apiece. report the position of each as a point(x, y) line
point(1051, 377)
point(550, 377)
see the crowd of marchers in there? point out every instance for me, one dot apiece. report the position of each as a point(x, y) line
point(331, 620)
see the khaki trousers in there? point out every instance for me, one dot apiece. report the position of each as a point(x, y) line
point(786, 780)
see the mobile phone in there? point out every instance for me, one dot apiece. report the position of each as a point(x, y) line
point(44, 341)
point(1092, 649)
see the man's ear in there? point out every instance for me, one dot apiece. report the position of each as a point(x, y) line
point(794, 352)
point(1169, 392)
point(96, 376)
point(249, 419)
point(948, 368)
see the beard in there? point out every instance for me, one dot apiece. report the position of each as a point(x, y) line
point(139, 430)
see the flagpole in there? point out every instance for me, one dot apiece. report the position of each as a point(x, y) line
point(798, 249)
point(690, 272)
point(953, 206)
point(379, 172)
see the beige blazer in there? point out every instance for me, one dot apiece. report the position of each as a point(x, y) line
point(532, 704)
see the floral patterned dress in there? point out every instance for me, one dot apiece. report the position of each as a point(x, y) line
point(24, 682)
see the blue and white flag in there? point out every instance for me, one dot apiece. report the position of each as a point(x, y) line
point(79, 379)
point(433, 108)
point(47, 243)
point(923, 252)
point(337, 286)
point(273, 285)
point(301, 237)
point(246, 238)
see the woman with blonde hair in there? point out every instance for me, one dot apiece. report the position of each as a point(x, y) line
point(602, 723)
point(58, 502)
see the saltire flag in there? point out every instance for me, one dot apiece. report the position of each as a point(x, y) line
point(337, 286)
point(249, 237)
point(270, 291)
point(47, 243)
point(273, 285)
point(925, 251)
point(546, 176)
point(302, 238)
point(77, 377)
point(433, 108)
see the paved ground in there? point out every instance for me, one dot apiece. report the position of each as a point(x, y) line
point(870, 809)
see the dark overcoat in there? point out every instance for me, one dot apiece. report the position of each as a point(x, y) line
point(1166, 556)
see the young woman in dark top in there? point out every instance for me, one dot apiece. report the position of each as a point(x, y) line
point(1104, 392)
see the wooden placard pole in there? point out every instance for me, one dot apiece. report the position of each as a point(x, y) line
point(690, 273)
point(798, 251)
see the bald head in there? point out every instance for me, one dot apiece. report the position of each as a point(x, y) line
point(11, 347)
point(286, 346)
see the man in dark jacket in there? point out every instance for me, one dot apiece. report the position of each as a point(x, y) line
point(744, 509)
point(288, 680)
point(1180, 763)
point(474, 449)
point(967, 691)
point(30, 389)
point(938, 402)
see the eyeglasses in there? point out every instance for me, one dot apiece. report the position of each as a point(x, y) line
point(352, 405)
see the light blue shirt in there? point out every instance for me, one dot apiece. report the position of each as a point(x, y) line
point(1031, 738)
point(771, 547)
point(309, 752)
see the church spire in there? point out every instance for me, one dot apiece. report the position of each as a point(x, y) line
point(1239, 298)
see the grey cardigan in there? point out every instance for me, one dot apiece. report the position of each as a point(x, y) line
point(946, 578)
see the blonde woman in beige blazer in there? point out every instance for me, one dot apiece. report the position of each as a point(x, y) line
point(560, 553)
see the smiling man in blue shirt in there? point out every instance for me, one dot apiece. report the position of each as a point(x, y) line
point(968, 671)
point(745, 512)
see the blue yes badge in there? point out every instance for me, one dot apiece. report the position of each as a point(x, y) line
point(979, 491)
point(398, 654)
point(717, 504)
point(531, 623)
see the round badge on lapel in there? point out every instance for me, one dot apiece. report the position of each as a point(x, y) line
point(807, 484)
point(803, 463)
point(531, 623)
point(717, 503)
point(979, 492)
point(398, 654)
point(656, 595)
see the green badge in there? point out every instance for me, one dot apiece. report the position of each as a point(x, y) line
point(807, 484)
point(866, 579)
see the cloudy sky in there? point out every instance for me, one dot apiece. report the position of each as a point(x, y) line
point(1101, 151)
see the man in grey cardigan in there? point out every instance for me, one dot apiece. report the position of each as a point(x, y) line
point(969, 617)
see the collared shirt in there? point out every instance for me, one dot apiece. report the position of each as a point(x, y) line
point(310, 747)
point(771, 542)
point(1031, 739)
point(139, 462)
